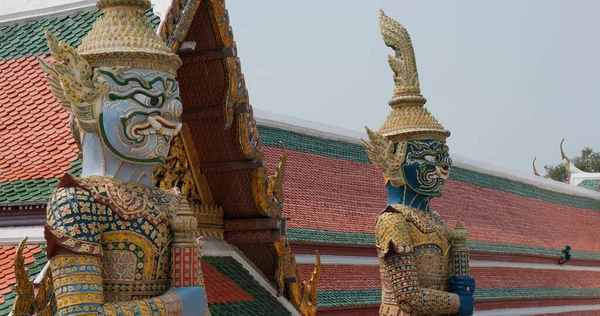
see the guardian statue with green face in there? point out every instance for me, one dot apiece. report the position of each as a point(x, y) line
point(414, 244)
point(110, 233)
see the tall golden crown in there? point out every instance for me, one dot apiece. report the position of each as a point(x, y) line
point(123, 36)
point(409, 119)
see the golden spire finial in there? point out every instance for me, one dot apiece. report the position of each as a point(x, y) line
point(123, 36)
point(409, 119)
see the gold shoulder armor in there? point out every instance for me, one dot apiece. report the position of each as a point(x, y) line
point(392, 228)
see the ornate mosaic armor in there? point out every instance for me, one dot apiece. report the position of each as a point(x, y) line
point(422, 241)
point(123, 229)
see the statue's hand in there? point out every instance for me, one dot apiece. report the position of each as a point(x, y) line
point(464, 287)
point(193, 299)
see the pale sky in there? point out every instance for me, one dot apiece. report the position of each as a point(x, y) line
point(508, 78)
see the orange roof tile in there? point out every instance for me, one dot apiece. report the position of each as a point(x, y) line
point(220, 289)
point(31, 116)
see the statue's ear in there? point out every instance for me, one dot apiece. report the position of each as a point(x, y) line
point(386, 156)
point(73, 82)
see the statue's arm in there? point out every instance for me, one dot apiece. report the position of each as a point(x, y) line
point(75, 224)
point(395, 246)
point(78, 289)
point(409, 296)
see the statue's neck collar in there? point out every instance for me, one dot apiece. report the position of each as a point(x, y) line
point(406, 196)
point(99, 161)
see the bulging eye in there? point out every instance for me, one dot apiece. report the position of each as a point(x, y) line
point(148, 101)
point(433, 159)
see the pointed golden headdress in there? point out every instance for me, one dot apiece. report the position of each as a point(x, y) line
point(123, 36)
point(409, 119)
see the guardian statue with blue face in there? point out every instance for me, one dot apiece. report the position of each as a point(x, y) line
point(423, 263)
point(117, 244)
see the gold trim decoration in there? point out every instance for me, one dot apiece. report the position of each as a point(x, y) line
point(23, 304)
point(73, 82)
point(248, 138)
point(210, 220)
point(26, 302)
point(178, 171)
point(386, 157)
point(123, 36)
point(175, 25)
point(302, 294)
point(409, 119)
point(268, 190)
point(236, 91)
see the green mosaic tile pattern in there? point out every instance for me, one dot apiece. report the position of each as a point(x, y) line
point(366, 239)
point(590, 184)
point(263, 300)
point(34, 269)
point(37, 190)
point(329, 237)
point(508, 293)
point(328, 299)
point(27, 39)
point(271, 136)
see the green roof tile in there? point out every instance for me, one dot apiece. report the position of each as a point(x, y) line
point(328, 299)
point(262, 300)
point(368, 239)
point(591, 184)
point(37, 190)
point(27, 39)
point(523, 293)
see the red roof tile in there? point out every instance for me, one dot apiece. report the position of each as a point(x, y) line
point(31, 117)
point(319, 190)
point(344, 277)
point(220, 289)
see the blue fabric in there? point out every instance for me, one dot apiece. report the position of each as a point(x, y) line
point(193, 299)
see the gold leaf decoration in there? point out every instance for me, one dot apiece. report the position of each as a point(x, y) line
point(302, 294)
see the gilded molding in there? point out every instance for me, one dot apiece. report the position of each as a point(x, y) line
point(210, 220)
point(236, 86)
point(177, 172)
point(248, 138)
point(43, 304)
point(23, 305)
point(302, 294)
point(177, 21)
point(268, 190)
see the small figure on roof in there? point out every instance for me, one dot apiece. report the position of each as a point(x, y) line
point(117, 244)
point(423, 263)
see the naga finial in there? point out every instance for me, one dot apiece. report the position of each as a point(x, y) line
point(562, 152)
point(535, 172)
point(403, 63)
